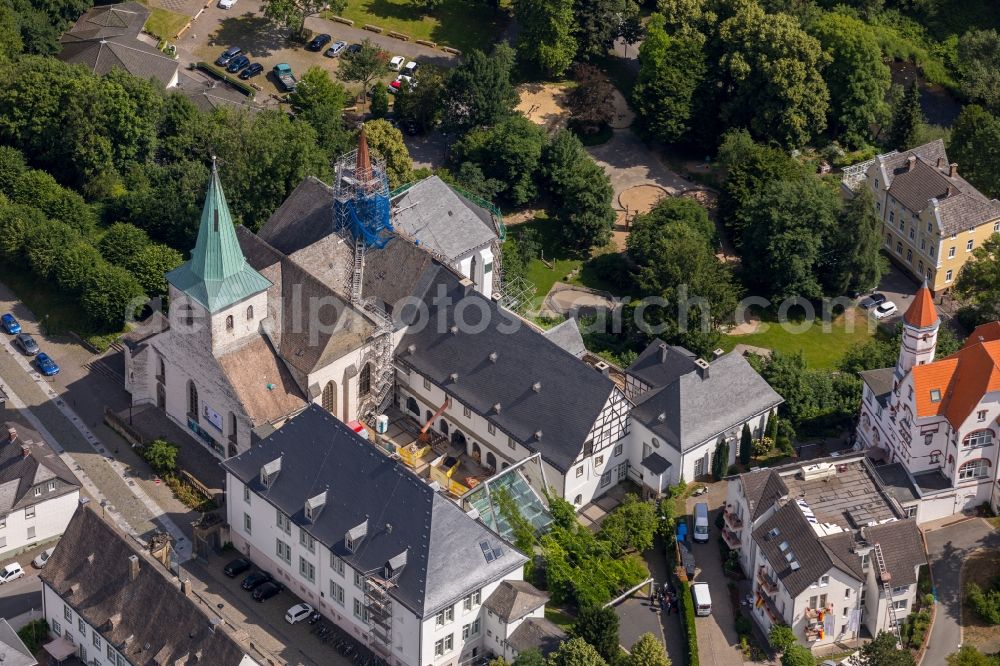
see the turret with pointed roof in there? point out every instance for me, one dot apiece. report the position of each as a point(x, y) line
point(920, 328)
point(217, 275)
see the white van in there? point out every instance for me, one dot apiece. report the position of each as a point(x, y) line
point(700, 522)
point(702, 599)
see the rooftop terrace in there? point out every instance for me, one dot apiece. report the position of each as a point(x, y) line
point(842, 491)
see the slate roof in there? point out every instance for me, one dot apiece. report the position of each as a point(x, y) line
point(440, 218)
point(880, 381)
point(513, 599)
point(148, 619)
point(125, 19)
point(209, 95)
point(261, 382)
point(571, 394)
point(13, 651)
point(20, 473)
point(762, 488)
point(567, 335)
point(318, 452)
point(655, 463)
point(661, 364)
point(303, 218)
point(692, 410)
point(539, 633)
point(902, 548)
point(217, 275)
point(100, 56)
point(960, 205)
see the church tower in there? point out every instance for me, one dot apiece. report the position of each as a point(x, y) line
point(216, 290)
point(920, 329)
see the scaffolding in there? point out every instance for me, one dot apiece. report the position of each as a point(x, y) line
point(378, 602)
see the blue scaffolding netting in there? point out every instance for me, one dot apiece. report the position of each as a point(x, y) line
point(367, 217)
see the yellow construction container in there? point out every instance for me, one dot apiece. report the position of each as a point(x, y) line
point(413, 453)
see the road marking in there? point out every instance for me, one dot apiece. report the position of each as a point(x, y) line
point(181, 545)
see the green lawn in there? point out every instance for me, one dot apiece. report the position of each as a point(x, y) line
point(821, 349)
point(58, 313)
point(165, 24)
point(461, 24)
point(559, 617)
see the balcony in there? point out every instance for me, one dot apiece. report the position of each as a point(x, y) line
point(767, 604)
point(765, 582)
point(732, 520)
point(731, 539)
point(818, 614)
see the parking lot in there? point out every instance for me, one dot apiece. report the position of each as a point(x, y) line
point(267, 43)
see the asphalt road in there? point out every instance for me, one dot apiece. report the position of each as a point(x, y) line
point(948, 548)
point(20, 596)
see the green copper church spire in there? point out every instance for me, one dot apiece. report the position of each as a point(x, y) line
point(217, 275)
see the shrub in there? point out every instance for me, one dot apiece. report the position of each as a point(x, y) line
point(743, 626)
point(761, 447)
point(687, 623)
point(986, 604)
point(781, 637)
point(111, 296)
point(161, 455)
point(34, 634)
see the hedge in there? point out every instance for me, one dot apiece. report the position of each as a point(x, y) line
point(687, 623)
point(231, 80)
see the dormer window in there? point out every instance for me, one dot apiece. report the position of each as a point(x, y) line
point(394, 566)
point(354, 535)
point(269, 471)
point(314, 505)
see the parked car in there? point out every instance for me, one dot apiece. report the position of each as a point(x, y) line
point(228, 55)
point(887, 309)
point(237, 63)
point(226, 4)
point(26, 343)
point(869, 302)
point(394, 86)
point(43, 558)
point(286, 80)
point(253, 69)
point(46, 365)
point(255, 580)
point(411, 68)
point(702, 599)
point(11, 325)
point(700, 522)
point(236, 567)
point(298, 612)
point(266, 591)
point(353, 48)
point(318, 42)
point(12, 571)
point(335, 49)
point(396, 63)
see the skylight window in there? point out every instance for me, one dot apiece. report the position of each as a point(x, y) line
point(935, 395)
point(783, 546)
point(491, 552)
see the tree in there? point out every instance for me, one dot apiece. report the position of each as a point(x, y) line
point(985, 603)
point(546, 36)
point(479, 92)
point(11, 43)
point(161, 455)
point(786, 230)
point(165, 200)
point(421, 106)
point(387, 142)
point(682, 16)
point(509, 152)
point(797, 655)
point(365, 65)
point(883, 652)
point(580, 190)
point(380, 102)
point(44, 246)
point(781, 637)
point(670, 71)
point(769, 73)
point(293, 13)
point(648, 651)
point(632, 525)
point(975, 146)
point(12, 165)
point(979, 281)
point(149, 266)
point(121, 242)
point(906, 120)
point(856, 77)
point(598, 626)
point(40, 190)
point(17, 222)
point(746, 445)
point(111, 296)
point(978, 64)
point(720, 459)
point(529, 657)
point(76, 264)
point(598, 23)
point(591, 101)
point(319, 101)
point(470, 177)
point(576, 652)
point(968, 655)
point(857, 262)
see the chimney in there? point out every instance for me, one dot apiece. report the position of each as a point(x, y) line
point(953, 169)
point(911, 162)
point(717, 353)
point(467, 286)
point(537, 387)
point(133, 567)
point(25, 451)
point(663, 352)
point(940, 163)
point(12, 434)
point(702, 367)
point(950, 192)
point(186, 587)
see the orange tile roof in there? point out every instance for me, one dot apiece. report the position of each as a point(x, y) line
point(962, 378)
point(921, 312)
point(984, 333)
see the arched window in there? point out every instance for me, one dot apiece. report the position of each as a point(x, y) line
point(477, 453)
point(161, 370)
point(330, 397)
point(578, 499)
point(974, 469)
point(229, 323)
point(232, 426)
point(978, 438)
point(443, 427)
point(365, 381)
point(491, 460)
point(192, 400)
point(249, 313)
point(411, 406)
